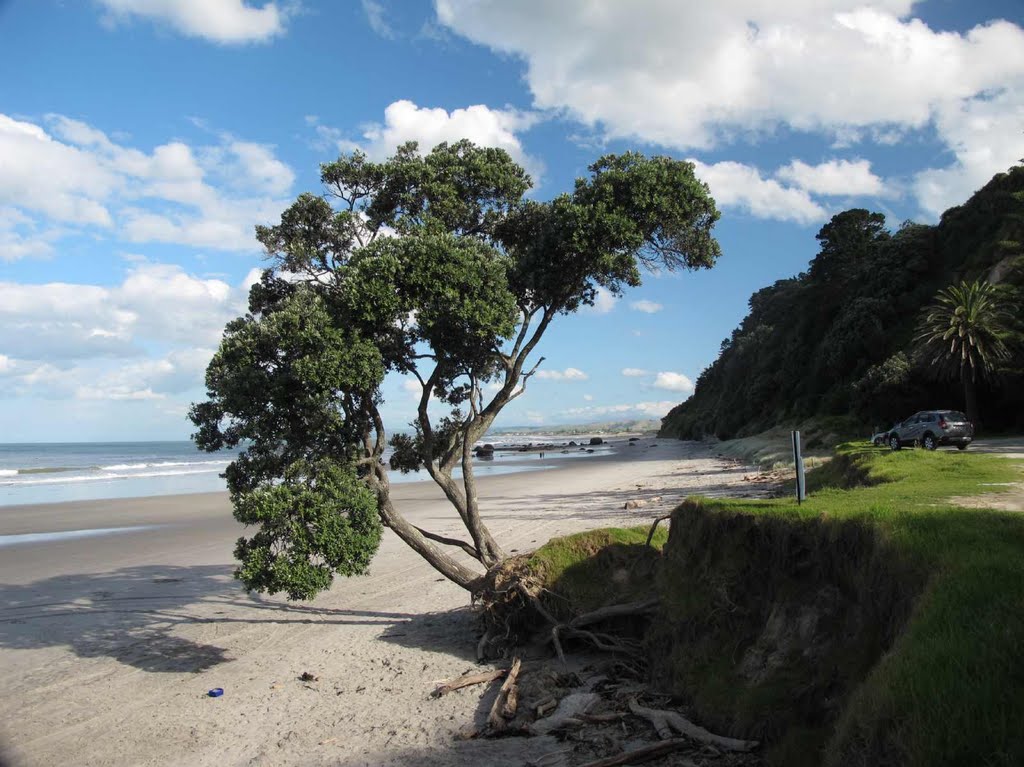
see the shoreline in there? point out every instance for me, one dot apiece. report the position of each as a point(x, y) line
point(108, 645)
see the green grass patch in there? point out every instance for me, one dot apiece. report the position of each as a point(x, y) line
point(875, 624)
point(592, 569)
point(914, 613)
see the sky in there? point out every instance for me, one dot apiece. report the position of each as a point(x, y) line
point(141, 141)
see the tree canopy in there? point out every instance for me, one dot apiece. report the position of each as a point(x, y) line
point(839, 339)
point(433, 266)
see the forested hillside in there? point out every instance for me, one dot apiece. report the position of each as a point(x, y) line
point(838, 339)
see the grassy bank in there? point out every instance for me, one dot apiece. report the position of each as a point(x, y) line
point(875, 624)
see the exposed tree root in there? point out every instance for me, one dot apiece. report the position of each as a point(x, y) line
point(665, 722)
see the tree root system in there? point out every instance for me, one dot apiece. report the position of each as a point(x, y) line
point(602, 715)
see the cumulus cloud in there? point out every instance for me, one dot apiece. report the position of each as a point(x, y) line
point(835, 177)
point(569, 374)
point(71, 174)
point(405, 121)
point(695, 76)
point(673, 382)
point(737, 185)
point(645, 306)
point(604, 302)
point(219, 21)
point(634, 372)
point(646, 409)
point(58, 321)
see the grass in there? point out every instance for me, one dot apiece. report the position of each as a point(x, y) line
point(886, 625)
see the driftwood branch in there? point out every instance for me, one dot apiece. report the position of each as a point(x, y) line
point(468, 680)
point(504, 707)
point(654, 526)
point(665, 722)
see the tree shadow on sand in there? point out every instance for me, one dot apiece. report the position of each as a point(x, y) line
point(135, 615)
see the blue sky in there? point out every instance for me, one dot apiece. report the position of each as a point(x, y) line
point(142, 140)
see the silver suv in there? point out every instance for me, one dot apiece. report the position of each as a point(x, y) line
point(931, 428)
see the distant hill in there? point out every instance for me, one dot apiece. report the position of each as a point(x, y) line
point(836, 340)
point(601, 427)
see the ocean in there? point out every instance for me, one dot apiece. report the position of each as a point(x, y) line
point(80, 471)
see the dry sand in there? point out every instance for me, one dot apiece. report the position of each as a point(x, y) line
point(108, 645)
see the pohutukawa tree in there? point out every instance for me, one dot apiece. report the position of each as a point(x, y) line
point(436, 267)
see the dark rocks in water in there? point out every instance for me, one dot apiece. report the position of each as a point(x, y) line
point(596, 441)
point(565, 451)
point(572, 443)
point(634, 439)
point(590, 451)
point(484, 449)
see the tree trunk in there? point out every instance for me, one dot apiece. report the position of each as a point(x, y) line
point(970, 398)
point(454, 571)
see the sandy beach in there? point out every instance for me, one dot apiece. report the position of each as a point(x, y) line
point(109, 644)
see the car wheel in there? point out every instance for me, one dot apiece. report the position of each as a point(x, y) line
point(962, 446)
point(929, 442)
point(894, 442)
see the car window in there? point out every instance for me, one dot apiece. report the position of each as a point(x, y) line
point(956, 416)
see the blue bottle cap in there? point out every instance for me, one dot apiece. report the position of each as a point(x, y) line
point(216, 692)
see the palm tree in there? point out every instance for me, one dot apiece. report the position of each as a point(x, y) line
point(963, 335)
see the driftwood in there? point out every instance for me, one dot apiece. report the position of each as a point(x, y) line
point(467, 680)
point(570, 708)
point(505, 704)
point(666, 721)
point(644, 754)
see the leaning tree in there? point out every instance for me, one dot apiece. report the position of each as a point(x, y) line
point(435, 267)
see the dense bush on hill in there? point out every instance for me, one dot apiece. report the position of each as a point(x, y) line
point(838, 339)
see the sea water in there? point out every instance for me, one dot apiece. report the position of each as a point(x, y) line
point(79, 471)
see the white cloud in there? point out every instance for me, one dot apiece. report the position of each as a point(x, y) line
point(63, 182)
point(220, 21)
point(375, 16)
point(693, 76)
point(986, 137)
point(405, 121)
point(645, 306)
point(635, 372)
point(75, 175)
point(588, 397)
point(741, 186)
point(569, 374)
point(604, 302)
point(156, 302)
point(835, 177)
point(673, 382)
point(646, 409)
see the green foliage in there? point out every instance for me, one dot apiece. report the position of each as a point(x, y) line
point(876, 623)
point(431, 265)
point(963, 333)
point(839, 338)
point(320, 520)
